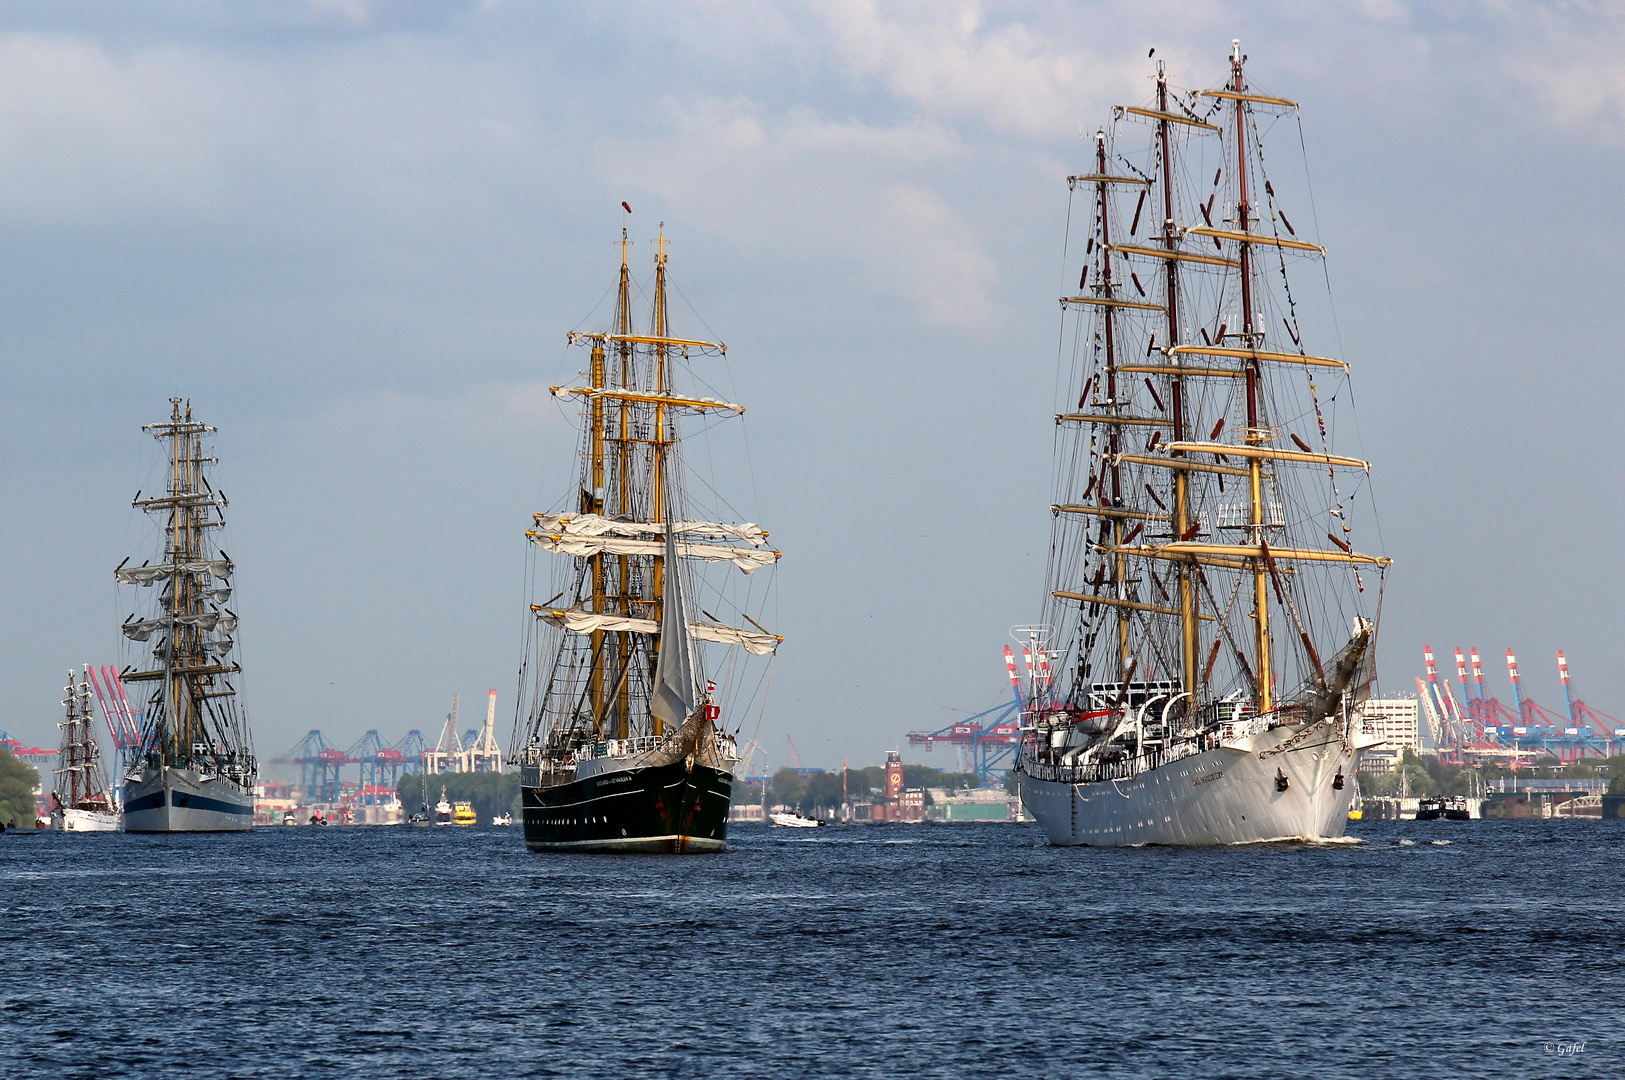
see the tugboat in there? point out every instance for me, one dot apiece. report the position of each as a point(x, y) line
point(1443, 808)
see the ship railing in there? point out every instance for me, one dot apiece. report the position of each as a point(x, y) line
point(1124, 768)
point(1237, 730)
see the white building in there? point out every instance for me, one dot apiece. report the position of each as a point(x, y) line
point(1395, 722)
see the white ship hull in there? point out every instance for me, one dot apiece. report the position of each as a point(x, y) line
point(174, 800)
point(794, 821)
point(70, 819)
point(1228, 795)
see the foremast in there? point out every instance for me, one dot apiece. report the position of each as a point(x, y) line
point(193, 719)
point(1171, 497)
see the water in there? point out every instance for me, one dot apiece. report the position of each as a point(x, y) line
point(1438, 949)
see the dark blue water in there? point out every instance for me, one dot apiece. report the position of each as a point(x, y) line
point(950, 951)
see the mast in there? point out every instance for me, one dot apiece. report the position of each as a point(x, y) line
point(192, 713)
point(623, 640)
point(659, 466)
point(79, 778)
point(1114, 438)
point(1256, 435)
point(1188, 625)
point(604, 663)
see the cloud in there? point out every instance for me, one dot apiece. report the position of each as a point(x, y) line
point(1569, 57)
point(813, 189)
point(950, 61)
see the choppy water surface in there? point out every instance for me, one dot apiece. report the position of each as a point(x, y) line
point(1438, 949)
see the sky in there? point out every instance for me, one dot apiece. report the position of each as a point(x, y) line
point(355, 234)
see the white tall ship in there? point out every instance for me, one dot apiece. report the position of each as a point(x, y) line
point(195, 770)
point(80, 800)
point(1203, 556)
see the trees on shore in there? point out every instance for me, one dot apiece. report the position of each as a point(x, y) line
point(18, 782)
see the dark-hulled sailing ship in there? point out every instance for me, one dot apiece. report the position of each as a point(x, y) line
point(195, 770)
point(620, 741)
point(1209, 616)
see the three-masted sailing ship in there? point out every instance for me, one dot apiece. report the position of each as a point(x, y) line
point(1210, 626)
point(195, 770)
point(620, 740)
point(80, 800)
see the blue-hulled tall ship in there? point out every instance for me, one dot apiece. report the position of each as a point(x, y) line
point(195, 770)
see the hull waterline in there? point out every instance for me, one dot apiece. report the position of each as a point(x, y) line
point(73, 819)
point(175, 800)
point(660, 809)
point(1228, 795)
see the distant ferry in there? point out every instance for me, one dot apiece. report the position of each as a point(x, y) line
point(1447, 808)
point(464, 814)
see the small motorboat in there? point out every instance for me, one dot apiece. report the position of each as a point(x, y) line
point(1445, 808)
point(794, 820)
point(502, 819)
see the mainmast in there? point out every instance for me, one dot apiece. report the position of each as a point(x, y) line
point(1114, 437)
point(1256, 435)
point(1188, 626)
point(660, 467)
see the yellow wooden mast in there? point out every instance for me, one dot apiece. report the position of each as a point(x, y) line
point(1256, 435)
point(1190, 626)
point(658, 470)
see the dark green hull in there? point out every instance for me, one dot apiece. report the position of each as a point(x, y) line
point(660, 809)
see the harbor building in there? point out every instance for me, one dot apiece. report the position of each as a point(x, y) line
point(1394, 721)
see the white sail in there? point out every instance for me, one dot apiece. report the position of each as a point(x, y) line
point(585, 622)
point(142, 629)
point(146, 575)
point(749, 560)
point(673, 699)
point(598, 525)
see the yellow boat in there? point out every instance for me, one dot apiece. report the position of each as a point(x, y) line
point(1356, 814)
point(463, 814)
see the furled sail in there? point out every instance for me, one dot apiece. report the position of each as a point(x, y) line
point(142, 629)
point(749, 560)
point(673, 697)
point(146, 575)
point(598, 525)
point(586, 622)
